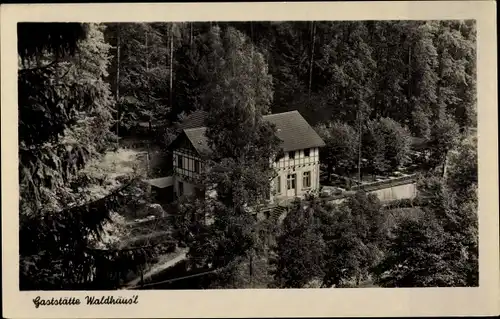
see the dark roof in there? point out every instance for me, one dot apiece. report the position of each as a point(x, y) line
point(294, 131)
point(161, 182)
point(198, 139)
point(194, 120)
point(291, 128)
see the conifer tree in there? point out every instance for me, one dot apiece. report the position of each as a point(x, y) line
point(239, 168)
point(64, 120)
point(300, 249)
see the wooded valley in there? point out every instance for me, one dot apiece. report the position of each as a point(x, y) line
point(372, 90)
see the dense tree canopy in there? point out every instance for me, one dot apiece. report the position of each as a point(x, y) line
point(341, 150)
point(442, 248)
point(444, 137)
point(329, 70)
point(385, 145)
point(300, 249)
point(238, 169)
point(65, 109)
point(65, 112)
point(368, 87)
point(60, 39)
point(240, 92)
point(337, 245)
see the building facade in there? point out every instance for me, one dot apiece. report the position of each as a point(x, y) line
point(187, 165)
point(298, 170)
point(297, 174)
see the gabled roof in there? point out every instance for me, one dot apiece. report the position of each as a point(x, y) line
point(194, 120)
point(291, 128)
point(294, 131)
point(198, 138)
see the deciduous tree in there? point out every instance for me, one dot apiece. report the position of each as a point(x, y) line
point(386, 145)
point(441, 249)
point(300, 249)
point(239, 168)
point(444, 136)
point(341, 150)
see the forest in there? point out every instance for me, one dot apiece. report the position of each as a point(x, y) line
point(369, 88)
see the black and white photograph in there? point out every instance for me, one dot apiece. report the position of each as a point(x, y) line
point(215, 155)
point(218, 155)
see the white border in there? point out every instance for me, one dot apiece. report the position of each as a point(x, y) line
point(269, 303)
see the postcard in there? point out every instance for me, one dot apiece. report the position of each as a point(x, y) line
point(249, 159)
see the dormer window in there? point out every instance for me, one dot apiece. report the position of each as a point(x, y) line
point(291, 155)
point(306, 152)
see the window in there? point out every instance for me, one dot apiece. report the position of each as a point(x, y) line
point(278, 185)
point(306, 180)
point(179, 161)
point(197, 166)
point(181, 189)
point(306, 152)
point(291, 155)
point(290, 181)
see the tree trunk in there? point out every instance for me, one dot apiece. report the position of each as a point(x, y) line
point(330, 171)
point(440, 109)
point(251, 31)
point(117, 96)
point(147, 51)
point(359, 148)
point(409, 77)
point(445, 163)
point(171, 64)
point(313, 36)
point(191, 34)
point(148, 101)
point(142, 277)
point(251, 266)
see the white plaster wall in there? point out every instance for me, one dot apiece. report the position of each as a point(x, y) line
point(284, 166)
point(299, 165)
point(405, 191)
point(189, 189)
point(285, 161)
point(397, 192)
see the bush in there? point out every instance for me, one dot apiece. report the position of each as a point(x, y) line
point(406, 203)
point(400, 203)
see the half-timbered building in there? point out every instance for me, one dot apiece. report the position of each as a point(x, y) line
point(298, 170)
